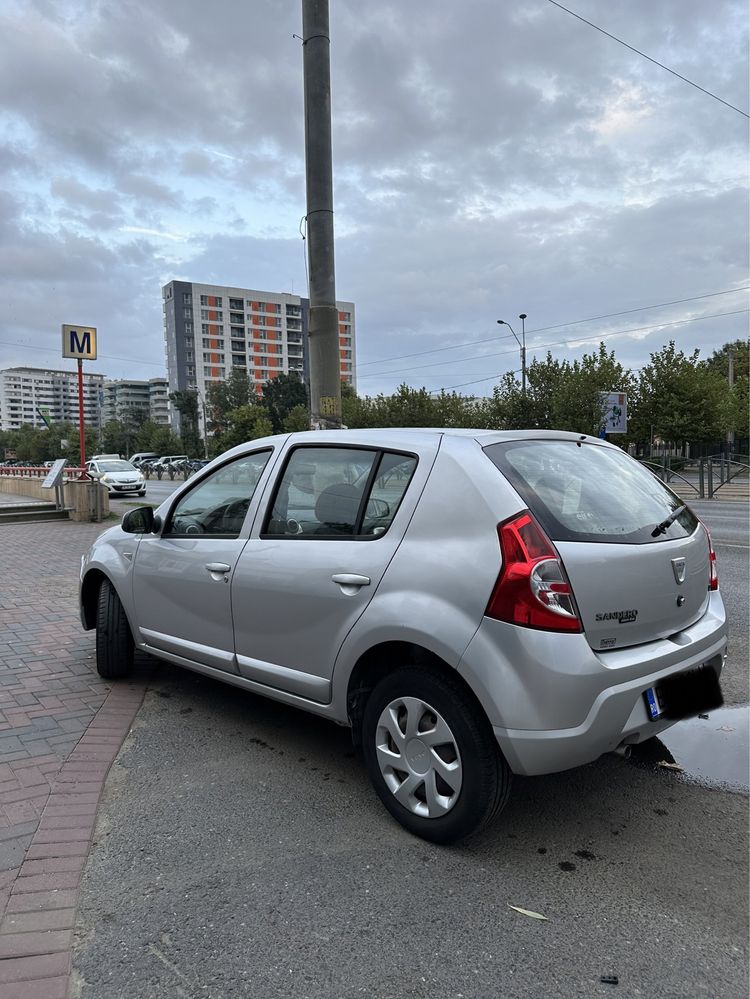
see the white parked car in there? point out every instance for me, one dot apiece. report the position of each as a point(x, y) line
point(472, 603)
point(117, 475)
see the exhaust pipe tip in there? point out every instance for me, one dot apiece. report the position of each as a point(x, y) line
point(623, 750)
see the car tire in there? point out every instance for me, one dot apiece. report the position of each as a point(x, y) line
point(114, 640)
point(459, 745)
point(142, 493)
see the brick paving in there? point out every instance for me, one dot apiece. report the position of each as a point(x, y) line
point(61, 726)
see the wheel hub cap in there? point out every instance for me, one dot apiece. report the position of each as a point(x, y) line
point(418, 757)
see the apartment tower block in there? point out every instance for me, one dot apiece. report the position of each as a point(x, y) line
point(211, 330)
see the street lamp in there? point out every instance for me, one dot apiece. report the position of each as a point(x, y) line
point(522, 344)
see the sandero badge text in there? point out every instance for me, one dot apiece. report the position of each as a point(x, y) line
point(622, 617)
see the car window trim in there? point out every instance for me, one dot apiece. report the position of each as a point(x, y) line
point(194, 537)
point(380, 452)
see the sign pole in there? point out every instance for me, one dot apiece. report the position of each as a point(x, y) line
point(82, 428)
point(79, 342)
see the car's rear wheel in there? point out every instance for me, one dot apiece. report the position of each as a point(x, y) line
point(114, 640)
point(432, 756)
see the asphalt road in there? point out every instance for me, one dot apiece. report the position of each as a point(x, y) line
point(241, 853)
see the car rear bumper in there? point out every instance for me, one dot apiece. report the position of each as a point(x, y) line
point(554, 703)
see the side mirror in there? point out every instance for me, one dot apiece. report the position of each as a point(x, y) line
point(142, 520)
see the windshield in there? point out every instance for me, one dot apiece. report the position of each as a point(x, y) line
point(587, 492)
point(116, 466)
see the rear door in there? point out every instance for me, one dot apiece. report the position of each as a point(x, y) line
point(333, 523)
point(632, 582)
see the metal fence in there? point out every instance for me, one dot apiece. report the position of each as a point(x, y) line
point(705, 476)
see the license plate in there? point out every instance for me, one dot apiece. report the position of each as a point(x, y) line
point(684, 695)
point(653, 706)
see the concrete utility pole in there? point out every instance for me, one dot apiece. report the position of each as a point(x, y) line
point(522, 344)
point(323, 337)
point(730, 379)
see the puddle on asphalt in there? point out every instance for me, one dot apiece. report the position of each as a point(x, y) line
point(712, 751)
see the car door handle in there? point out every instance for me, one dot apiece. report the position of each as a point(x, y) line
point(218, 567)
point(350, 579)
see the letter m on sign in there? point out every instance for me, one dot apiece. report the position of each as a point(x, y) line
point(79, 342)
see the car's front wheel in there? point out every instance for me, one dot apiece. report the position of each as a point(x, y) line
point(114, 640)
point(432, 756)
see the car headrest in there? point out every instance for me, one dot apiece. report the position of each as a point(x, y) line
point(338, 505)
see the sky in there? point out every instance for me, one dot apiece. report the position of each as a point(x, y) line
point(490, 159)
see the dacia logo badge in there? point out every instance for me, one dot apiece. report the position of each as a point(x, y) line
point(678, 568)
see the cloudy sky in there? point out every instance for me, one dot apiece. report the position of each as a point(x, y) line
point(490, 158)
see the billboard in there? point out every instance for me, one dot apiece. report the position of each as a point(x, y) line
point(614, 413)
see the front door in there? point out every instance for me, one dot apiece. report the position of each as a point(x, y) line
point(181, 581)
point(333, 524)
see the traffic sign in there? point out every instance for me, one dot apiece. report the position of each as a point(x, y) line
point(79, 342)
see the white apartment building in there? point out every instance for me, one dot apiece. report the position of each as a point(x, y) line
point(209, 330)
point(126, 400)
point(27, 393)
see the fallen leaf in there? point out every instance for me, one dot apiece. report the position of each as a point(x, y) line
point(528, 912)
point(670, 766)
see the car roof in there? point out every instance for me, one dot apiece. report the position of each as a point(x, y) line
point(379, 435)
point(404, 438)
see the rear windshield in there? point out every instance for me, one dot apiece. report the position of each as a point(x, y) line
point(587, 492)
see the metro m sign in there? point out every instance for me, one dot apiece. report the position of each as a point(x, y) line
point(79, 342)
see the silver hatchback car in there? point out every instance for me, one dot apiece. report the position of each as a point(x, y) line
point(472, 603)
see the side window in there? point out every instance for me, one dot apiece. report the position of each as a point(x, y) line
point(338, 492)
point(219, 503)
point(321, 492)
point(391, 479)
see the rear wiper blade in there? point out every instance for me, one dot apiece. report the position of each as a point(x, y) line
point(661, 528)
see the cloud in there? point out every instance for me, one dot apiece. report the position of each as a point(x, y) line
point(488, 159)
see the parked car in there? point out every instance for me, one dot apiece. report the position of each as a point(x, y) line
point(165, 462)
point(117, 475)
point(472, 603)
point(105, 457)
point(196, 464)
point(140, 456)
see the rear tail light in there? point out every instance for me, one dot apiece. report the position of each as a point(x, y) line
point(532, 589)
point(713, 577)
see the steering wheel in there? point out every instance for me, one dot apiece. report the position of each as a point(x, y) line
point(188, 525)
point(233, 511)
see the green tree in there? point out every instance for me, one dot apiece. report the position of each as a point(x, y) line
point(681, 398)
point(163, 441)
point(224, 397)
point(297, 419)
point(145, 436)
point(737, 402)
point(246, 423)
point(281, 395)
point(186, 404)
point(116, 438)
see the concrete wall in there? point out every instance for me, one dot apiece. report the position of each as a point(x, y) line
point(77, 495)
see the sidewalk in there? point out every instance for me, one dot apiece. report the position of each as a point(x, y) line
point(61, 727)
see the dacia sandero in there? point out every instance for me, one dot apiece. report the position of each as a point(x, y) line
point(473, 604)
